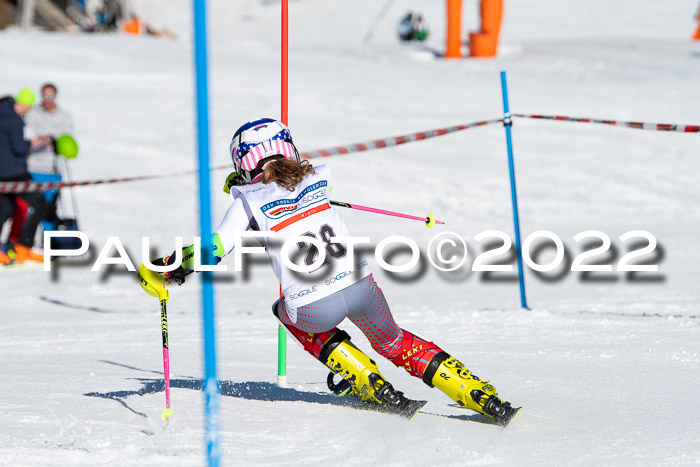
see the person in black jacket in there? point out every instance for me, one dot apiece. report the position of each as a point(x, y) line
point(14, 150)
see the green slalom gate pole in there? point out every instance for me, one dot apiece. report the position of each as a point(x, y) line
point(281, 356)
point(281, 335)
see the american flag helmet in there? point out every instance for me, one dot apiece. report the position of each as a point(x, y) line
point(257, 142)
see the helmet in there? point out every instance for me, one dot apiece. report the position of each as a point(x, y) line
point(66, 146)
point(258, 142)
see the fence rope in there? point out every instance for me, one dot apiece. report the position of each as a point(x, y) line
point(638, 125)
point(30, 186)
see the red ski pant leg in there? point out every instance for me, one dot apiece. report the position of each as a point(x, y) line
point(18, 217)
point(370, 312)
point(312, 342)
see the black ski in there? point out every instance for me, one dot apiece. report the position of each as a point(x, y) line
point(393, 401)
point(407, 409)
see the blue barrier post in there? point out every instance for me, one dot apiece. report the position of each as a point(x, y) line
point(507, 123)
point(211, 390)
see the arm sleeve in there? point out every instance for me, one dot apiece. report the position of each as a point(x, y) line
point(29, 133)
point(223, 238)
point(235, 220)
point(32, 118)
point(20, 147)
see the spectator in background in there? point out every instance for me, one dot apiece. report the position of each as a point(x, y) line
point(43, 164)
point(108, 15)
point(420, 29)
point(405, 29)
point(113, 14)
point(14, 148)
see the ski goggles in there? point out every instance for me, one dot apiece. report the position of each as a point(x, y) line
point(248, 155)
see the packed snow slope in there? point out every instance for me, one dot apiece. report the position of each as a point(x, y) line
point(606, 365)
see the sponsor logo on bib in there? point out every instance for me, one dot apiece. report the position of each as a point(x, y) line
point(312, 194)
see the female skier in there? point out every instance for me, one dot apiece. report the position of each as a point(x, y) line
point(273, 190)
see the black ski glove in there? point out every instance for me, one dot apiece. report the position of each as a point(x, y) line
point(176, 275)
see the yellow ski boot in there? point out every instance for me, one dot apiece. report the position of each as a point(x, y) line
point(451, 377)
point(361, 376)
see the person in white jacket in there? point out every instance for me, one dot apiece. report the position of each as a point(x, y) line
point(48, 119)
point(287, 200)
point(44, 165)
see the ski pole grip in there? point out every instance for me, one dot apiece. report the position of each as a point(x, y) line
point(152, 283)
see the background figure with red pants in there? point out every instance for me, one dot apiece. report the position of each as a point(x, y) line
point(14, 149)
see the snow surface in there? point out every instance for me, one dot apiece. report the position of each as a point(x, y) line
point(606, 368)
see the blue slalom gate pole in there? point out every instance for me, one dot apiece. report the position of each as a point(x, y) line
point(507, 123)
point(211, 390)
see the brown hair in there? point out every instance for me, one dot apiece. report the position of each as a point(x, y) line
point(49, 85)
point(287, 173)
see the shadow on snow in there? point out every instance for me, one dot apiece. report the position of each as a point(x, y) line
point(251, 390)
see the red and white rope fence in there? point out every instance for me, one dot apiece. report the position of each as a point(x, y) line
point(637, 125)
point(393, 141)
point(23, 187)
point(29, 186)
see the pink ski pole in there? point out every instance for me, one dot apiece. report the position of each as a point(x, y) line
point(429, 219)
point(154, 285)
point(166, 361)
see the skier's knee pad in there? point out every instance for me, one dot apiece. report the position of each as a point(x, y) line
point(313, 343)
point(414, 354)
point(275, 305)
